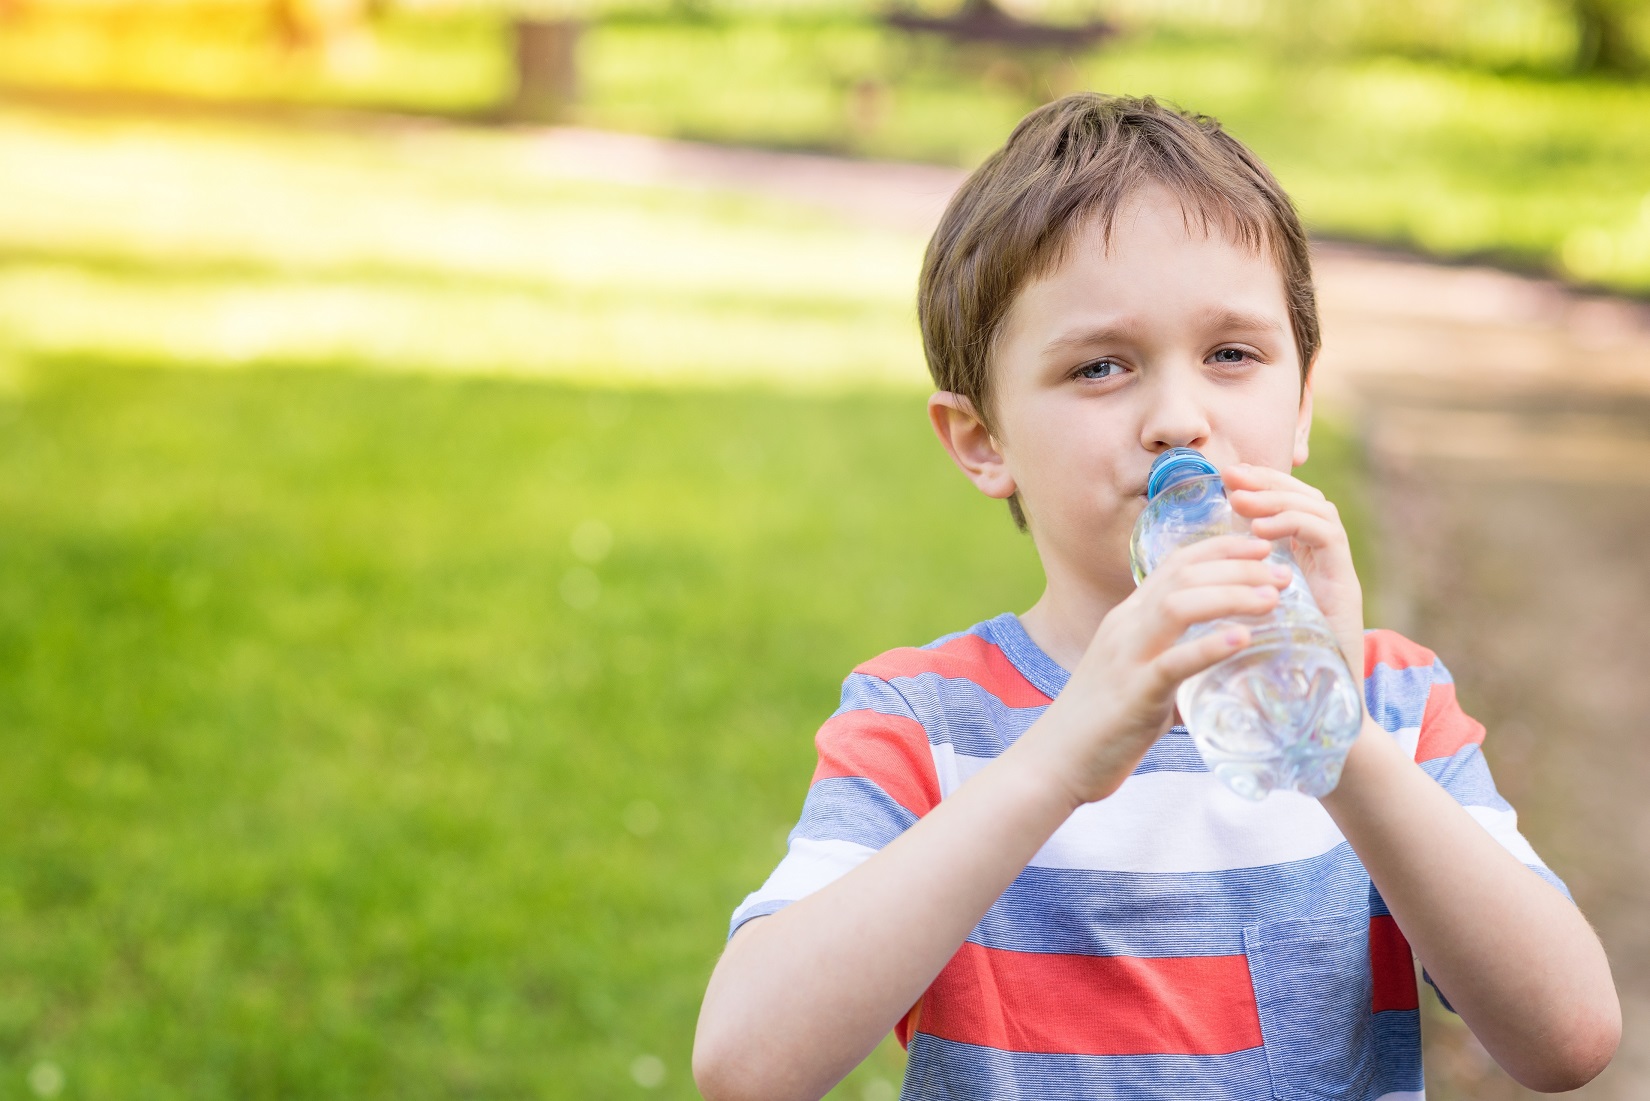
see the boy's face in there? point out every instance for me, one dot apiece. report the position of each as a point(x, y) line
point(1168, 338)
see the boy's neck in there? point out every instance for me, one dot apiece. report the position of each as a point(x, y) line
point(1063, 621)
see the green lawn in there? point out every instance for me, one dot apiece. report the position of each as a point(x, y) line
point(380, 721)
point(409, 737)
point(334, 769)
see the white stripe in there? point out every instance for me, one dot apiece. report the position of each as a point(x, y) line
point(1409, 739)
point(949, 766)
point(1178, 822)
point(808, 866)
point(1503, 826)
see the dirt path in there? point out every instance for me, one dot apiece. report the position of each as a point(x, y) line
point(1507, 421)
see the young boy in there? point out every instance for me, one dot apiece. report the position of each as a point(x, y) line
point(1010, 853)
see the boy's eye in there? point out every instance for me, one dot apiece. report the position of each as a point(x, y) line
point(1100, 368)
point(1231, 355)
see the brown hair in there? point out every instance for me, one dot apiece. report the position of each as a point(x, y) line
point(1078, 157)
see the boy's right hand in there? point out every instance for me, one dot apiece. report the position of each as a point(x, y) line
point(1120, 698)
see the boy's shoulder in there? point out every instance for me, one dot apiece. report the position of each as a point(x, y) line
point(1389, 650)
point(1410, 692)
point(979, 657)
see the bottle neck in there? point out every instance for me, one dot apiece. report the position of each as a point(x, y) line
point(1177, 466)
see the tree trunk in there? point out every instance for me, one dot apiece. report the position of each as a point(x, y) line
point(1603, 42)
point(546, 69)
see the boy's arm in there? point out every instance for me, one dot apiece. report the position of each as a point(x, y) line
point(803, 995)
point(1516, 959)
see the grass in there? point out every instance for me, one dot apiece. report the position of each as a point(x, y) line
point(380, 722)
point(448, 250)
point(407, 736)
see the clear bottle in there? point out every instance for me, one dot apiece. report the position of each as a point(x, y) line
point(1283, 711)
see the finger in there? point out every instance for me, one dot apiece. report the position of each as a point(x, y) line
point(1309, 530)
point(1250, 476)
point(1184, 607)
point(1231, 571)
point(1221, 546)
point(1187, 659)
point(1251, 502)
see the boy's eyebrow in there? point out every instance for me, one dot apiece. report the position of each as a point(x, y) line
point(1125, 331)
point(1237, 319)
point(1105, 333)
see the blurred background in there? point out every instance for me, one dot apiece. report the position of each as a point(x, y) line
point(450, 454)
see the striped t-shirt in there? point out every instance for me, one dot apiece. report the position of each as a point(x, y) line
point(1170, 941)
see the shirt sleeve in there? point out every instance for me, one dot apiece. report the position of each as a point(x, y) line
point(875, 778)
point(1411, 694)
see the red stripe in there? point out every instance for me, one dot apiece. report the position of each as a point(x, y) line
point(1093, 1005)
point(968, 657)
point(889, 750)
point(1389, 648)
point(1391, 967)
point(1445, 728)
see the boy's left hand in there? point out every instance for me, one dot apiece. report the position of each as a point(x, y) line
point(1279, 506)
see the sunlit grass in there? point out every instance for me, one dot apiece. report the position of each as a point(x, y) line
point(431, 250)
point(414, 737)
point(398, 736)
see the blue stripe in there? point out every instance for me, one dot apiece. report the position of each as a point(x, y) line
point(1007, 634)
point(1397, 698)
point(851, 808)
point(861, 692)
point(1173, 752)
point(944, 1070)
point(1466, 776)
point(1552, 881)
point(953, 710)
point(1398, 1052)
point(957, 712)
point(761, 909)
point(1152, 914)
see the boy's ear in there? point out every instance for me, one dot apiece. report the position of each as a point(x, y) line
point(1303, 420)
point(970, 445)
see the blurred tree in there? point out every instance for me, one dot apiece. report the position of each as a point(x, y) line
point(1604, 36)
point(547, 78)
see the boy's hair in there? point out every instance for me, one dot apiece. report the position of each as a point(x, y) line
point(1079, 157)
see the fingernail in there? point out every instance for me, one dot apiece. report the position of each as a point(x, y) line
point(1281, 572)
point(1266, 590)
point(1234, 638)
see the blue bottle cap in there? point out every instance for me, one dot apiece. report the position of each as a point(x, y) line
point(1175, 466)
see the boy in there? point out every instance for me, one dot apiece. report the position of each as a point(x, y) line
point(1010, 853)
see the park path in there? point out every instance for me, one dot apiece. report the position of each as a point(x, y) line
point(1506, 420)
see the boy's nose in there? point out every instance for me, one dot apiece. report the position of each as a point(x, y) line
point(1174, 422)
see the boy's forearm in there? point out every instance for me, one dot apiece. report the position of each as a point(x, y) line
point(1515, 958)
point(801, 997)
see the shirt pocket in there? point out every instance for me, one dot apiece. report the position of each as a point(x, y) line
point(1312, 988)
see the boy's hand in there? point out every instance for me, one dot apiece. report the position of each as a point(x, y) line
point(1125, 684)
point(1279, 506)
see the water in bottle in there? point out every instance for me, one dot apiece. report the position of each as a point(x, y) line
point(1283, 711)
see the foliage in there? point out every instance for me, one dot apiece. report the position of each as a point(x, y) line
point(1379, 131)
point(1525, 169)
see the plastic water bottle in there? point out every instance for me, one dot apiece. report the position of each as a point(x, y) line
point(1283, 711)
